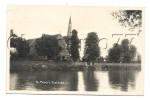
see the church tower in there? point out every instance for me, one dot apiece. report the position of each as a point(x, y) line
point(69, 28)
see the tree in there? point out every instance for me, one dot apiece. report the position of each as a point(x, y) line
point(115, 53)
point(100, 59)
point(129, 51)
point(133, 51)
point(75, 46)
point(129, 18)
point(48, 47)
point(21, 46)
point(127, 57)
point(123, 52)
point(92, 47)
point(139, 58)
point(125, 45)
point(13, 39)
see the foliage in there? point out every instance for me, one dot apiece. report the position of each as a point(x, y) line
point(115, 53)
point(32, 57)
point(123, 52)
point(129, 51)
point(13, 56)
point(129, 18)
point(100, 59)
point(13, 39)
point(125, 45)
point(47, 46)
point(75, 46)
point(127, 57)
point(139, 58)
point(92, 46)
point(133, 51)
point(21, 46)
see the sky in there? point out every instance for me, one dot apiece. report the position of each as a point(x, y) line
point(33, 21)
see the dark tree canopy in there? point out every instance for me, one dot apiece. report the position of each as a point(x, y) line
point(20, 44)
point(22, 48)
point(125, 45)
point(129, 18)
point(133, 51)
point(129, 51)
point(92, 46)
point(12, 33)
point(48, 47)
point(13, 39)
point(115, 53)
point(127, 57)
point(75, 46)
point(122, 53)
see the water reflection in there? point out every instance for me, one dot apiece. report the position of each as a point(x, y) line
point(90, 81)
point(81, 86)
point(23, 81)
point(122, 79)
point(13, 81)
point(28, 80)
point(114, 80)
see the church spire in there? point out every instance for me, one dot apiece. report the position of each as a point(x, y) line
point(70, 20)
point(69, 28)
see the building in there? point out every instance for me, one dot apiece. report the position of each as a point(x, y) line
point(86, 60)
point(63, 41)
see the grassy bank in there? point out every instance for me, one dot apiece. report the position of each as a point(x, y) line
point(51, 65)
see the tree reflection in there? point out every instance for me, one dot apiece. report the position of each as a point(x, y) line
point(24, 80)
point(122, 79)
point(28, 80)
point(90, 81)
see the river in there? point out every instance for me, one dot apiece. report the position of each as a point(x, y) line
point(114, 81)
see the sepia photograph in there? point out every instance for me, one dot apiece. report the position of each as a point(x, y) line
point(89, 50)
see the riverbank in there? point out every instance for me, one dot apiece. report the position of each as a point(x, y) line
point(79, 66)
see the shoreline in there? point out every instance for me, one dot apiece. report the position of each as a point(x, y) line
point(79, 66)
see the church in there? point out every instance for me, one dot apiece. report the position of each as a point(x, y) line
point(63, 42)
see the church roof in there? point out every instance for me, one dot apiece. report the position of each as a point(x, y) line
point(31, 42)
point(64, 52)
point(61, 43)
point(66, 37)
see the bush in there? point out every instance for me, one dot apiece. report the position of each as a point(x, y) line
point(32, 57)
point(14, 56)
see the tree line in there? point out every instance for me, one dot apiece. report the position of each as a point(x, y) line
point(44, 47)
point(124, 52)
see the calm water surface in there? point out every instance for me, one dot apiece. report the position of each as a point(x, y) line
point(101, 81)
